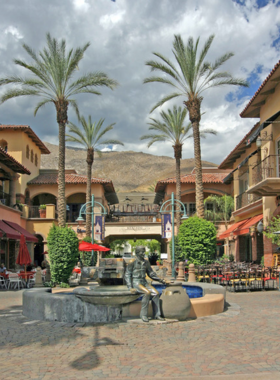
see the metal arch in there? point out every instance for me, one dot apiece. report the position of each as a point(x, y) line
point(170, 203)
point(84, 207)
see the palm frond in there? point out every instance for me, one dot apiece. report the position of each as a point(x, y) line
point(165, 99)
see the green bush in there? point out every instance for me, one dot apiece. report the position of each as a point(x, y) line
point(197, 240)
point(85, 256)
point(63, 251)
point(179, 254)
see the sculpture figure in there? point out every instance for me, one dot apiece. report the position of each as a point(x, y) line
point(135, 277)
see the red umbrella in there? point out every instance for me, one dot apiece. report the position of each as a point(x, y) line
point(84, 246)
point(23, 254)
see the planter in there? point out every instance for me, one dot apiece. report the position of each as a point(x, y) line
point(42, 213)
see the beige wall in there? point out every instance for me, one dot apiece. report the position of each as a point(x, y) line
point(17, 142)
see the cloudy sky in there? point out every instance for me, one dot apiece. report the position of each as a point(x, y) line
point(123, 35)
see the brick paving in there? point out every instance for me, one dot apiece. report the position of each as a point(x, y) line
point(243, 343)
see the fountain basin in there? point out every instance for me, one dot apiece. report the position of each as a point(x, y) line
point(106, 295)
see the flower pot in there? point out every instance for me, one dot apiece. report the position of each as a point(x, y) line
point(42, 213)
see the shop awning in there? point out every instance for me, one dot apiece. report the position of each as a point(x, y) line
point(8, 231)
point(245, 227)
point(17, 227)
point(233, 227)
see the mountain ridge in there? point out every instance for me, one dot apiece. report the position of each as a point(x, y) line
point(128, 170)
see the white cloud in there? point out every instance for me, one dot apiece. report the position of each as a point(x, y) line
point(123, 35)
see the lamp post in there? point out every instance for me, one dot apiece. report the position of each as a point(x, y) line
point(163, 210)
point(84, 210)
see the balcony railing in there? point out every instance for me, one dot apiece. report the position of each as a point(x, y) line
point(5, 199)
point(133, 212)
point(34, 212)
point(245, 199)
point(264, 169)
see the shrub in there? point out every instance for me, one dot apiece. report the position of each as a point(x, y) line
point(231, 257)
point(42, 207)
point(197, 239)
point(63, 252)
point(85, 256)
point(179, 254)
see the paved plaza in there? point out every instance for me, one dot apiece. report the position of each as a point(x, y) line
point(243, 341)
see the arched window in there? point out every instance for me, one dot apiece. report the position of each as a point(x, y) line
point(31, 156)
point(36, 159)
point(27, 151)
point(4, 145)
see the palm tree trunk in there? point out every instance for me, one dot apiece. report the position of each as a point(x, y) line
point(61, 109)
point(61, 207)
point(178, 156)
point(193, 107)
point(90, 158)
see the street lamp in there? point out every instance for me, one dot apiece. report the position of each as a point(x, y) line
point(84, 210)
point(163, 210)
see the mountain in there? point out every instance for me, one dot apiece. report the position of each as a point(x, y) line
point(129, 171)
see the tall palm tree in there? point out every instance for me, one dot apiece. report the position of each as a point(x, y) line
point(90, 136)
point(173, 128)
point(192, 76)
point(52, 80)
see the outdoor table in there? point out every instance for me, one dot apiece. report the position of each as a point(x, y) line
point(25, 277)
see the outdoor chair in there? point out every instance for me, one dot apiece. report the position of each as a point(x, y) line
point(3, 282)
point(270, 278)
point(15, 280)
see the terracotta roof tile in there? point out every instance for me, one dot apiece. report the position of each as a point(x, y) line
point(51, 179)
point(12, 163)
point(261, 87)
point(30, 133)
point(206, 178)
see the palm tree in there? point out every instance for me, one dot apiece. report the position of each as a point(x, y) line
point(173, 128)
point(91, 138)
point(51, 79)
point(193, 76)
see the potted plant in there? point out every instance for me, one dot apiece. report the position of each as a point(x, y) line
point(42, 211)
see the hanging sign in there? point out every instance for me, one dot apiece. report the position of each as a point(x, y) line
point(166, 226)
point(99, 228)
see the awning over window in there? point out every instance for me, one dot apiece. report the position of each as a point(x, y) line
point(233, 227)
point(8, 231)
point(245, 227)
point(17, 227)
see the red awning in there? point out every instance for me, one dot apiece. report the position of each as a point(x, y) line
point(17, 227)
point(233, 227)
point(245, 227)
point(8, 231)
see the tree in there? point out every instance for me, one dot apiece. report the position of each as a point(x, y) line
point(63, 248)
point(51, 79)
point(193, 76)
point(118, 245)
point(197, 240)
point(172, 128)
point(272, 228)
point(91, 138)
point(223, 207)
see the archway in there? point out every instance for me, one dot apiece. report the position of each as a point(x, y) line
point(74, 204)
point(39, 250)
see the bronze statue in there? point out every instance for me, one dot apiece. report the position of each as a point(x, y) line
point(135, 277)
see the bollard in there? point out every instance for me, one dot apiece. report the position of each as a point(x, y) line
point(191, 273)
point(38, 279)
point(181, 273)
point(169, 268)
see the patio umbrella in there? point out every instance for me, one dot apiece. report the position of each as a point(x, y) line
point(84, 246)
point(23, 254)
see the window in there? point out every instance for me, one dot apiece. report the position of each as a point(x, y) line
point(32, 156)
point(209, 207)
point(190, 208)
point(36, 160)
point(27, 151)
point(4, 145)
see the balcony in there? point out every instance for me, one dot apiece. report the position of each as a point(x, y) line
point(245, 199)
point(265, 179)
point(5, 199)
point(133, 212)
